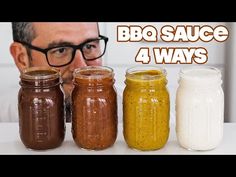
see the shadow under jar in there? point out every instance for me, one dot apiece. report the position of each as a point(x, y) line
point(41, 108)
point(94, 108)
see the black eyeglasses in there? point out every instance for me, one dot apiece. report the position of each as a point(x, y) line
point(63, 55)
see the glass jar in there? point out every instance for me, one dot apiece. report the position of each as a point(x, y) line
point(94, 108)
point(199, 108)
point(41, 108)
point(146, 108)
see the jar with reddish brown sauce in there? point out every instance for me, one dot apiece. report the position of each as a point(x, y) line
point(41, 108)
point(94, 108)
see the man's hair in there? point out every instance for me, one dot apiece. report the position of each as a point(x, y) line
point(23, 31)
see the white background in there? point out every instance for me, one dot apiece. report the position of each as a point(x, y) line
point(120, 56)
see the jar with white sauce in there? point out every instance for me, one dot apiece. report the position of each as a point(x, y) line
point(199, 108)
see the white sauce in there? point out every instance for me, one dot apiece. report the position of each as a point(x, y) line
point(199, 108)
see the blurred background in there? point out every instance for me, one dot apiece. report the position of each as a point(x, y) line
point(121, 56)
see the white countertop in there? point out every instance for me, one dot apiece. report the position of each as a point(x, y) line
point(10, 143)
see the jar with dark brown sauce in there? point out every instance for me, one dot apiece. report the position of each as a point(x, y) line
point(41, 108)
point(94, 110)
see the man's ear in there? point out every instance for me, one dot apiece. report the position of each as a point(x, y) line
point(19, 53)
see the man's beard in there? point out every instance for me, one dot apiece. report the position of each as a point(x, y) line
point(68, 87)
point(68, 103)
point(68, 109)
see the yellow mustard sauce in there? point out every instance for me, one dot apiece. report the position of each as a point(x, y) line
point(146, 109)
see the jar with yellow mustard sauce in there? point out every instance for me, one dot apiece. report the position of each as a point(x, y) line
point(146, 108)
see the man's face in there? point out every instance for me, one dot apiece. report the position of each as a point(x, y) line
point(54, 34)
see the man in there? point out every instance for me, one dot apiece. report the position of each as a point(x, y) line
point(66, 46)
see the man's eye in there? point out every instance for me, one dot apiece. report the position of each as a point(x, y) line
point(89, 46)
point(59, 50)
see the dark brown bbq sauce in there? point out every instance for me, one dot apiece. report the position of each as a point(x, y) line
point(41, 108)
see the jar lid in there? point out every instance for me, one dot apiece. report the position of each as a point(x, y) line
point(40, 73)
point(201, 73)
point(146, 72)
point(93, 72)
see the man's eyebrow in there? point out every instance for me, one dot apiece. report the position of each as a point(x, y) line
point(63, 43)
point(59, 43)
point(89, 39)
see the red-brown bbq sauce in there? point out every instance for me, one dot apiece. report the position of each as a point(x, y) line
point(94, 110)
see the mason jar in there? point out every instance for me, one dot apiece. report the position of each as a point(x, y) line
point(146, 108)
point(41, 108)
point(199, 108)
point(94, 108)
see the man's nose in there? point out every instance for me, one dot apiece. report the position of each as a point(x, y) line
point(78, 61)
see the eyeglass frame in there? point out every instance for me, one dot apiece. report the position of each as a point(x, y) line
point(75, 48)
